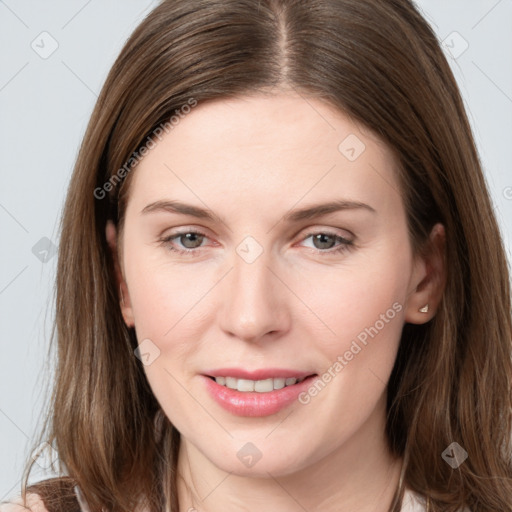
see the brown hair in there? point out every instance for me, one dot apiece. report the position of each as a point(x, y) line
point(379, 62)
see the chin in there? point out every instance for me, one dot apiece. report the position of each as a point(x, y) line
point(249, 460)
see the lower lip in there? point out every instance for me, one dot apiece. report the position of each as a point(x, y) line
point(254, 403)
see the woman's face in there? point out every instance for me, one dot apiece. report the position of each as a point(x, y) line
point(273, 286)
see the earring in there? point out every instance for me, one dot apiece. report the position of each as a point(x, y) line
point(424, 309)
point(122, 296)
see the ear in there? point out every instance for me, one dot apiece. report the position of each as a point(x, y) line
point(428, 278)
point(124, 299)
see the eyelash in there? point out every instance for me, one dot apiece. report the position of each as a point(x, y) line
point(345, 244)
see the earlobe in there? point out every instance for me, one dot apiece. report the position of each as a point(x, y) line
point(428, 279)
point(124, 298)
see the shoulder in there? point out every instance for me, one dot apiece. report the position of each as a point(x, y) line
point(34, 504)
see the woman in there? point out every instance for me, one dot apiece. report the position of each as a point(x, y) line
point(241, 153)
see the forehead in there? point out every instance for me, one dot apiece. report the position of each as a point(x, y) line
point(259, 148)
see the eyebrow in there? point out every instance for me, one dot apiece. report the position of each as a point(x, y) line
point(306, 213)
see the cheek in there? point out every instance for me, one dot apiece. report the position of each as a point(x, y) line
point(364, 311)
point(361, 301)
point(166, 301)
point(348, 316)
point(163, 300)
point(337, 303)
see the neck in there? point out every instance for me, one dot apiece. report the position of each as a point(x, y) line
point(359, 474)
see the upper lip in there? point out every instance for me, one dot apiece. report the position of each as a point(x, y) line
point(259, 374)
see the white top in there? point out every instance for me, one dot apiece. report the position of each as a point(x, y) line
point(81, 501)
point(412, 502)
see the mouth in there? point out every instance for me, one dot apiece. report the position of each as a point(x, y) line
point(261, 396)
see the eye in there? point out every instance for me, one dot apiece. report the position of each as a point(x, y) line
point(189, 239)
point(323, 241)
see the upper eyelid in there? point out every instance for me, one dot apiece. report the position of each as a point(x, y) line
point(309, 231)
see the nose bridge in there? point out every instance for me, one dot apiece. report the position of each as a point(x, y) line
point(254, 302)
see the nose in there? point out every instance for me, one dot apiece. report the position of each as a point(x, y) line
point(256, 305)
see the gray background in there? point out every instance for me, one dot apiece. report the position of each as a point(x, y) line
point(45, 102)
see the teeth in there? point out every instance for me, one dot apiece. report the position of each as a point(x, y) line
point(245, 385)
point(260, 386)
point(231, 382)
point(279, 383)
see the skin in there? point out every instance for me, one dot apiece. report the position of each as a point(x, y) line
point(299, 305)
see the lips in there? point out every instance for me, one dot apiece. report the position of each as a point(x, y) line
point(260, 400)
